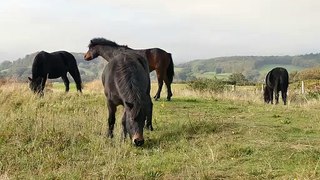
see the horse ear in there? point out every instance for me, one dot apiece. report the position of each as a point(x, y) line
point(30, 79)
point(130, 105)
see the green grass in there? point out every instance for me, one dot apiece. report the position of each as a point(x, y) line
point(62, 136)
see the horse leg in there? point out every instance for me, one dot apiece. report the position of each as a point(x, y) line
point(276, 96)
point(77, 79)
point(66, 82)
point(160, 84)
point(168, 84)
point(43, 84)
point(284, 96)
point(124, 127)
point(112, 117)
point(271, 95)
point(149, 116)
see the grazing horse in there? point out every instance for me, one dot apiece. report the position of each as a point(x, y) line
point(276, 80)
point(52, 66)
point(126, 82)
point(158, 60)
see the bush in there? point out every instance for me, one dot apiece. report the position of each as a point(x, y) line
point(211, 85)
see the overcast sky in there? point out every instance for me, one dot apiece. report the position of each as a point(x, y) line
point(189, 29)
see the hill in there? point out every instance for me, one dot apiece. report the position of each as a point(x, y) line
point(253, 68)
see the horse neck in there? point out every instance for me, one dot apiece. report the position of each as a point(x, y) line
point(141, 52)
point(109, 53)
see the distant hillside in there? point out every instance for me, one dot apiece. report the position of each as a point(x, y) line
point(253, 67)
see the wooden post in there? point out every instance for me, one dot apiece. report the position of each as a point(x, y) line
point(302, 87)
point(262, 88)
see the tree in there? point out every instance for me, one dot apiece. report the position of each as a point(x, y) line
point(5, 65)
point(238, 79)
point(252, 75)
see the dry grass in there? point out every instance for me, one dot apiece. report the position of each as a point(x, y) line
point(93, 86)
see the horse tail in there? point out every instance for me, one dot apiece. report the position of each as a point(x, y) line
point(284, 79)
point(77, 77)
point(170, 69)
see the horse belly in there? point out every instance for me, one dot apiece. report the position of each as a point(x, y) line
point(53, 76)
point(56, 73)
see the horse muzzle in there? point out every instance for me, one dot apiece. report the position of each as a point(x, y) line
point(138, 139)
point(88, 57)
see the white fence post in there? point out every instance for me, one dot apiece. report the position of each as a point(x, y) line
point(233, 87)
point(302, 87)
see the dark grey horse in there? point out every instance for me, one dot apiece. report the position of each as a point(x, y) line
point(52, 66)
point(158, 60)
point(126, 82)
point(276, 80)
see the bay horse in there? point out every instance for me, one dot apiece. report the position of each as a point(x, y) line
point(158, 60)
point(126, 82)
point(53, 65)
point(276, 80)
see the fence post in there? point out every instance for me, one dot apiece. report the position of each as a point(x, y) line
point(302, 87)
point(262, 88)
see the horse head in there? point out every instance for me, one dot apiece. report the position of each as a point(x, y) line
point(135, 119)
point(266, 95)
point(35, 84)
point(91, 54)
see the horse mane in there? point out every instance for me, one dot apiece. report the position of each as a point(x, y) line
point(104, 42)
point(132, 86)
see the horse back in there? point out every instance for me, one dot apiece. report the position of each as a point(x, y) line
point(125, 78)
point(157, 58)
point(53, 65)
point(278, 77)
point(65, 57)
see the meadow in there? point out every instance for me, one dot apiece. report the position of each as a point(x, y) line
point(230, 135)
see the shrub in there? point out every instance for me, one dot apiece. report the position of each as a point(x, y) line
point(211, 85)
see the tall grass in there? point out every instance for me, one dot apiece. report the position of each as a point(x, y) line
point(229, 135)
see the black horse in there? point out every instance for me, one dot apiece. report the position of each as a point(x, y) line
point(52, 66)
point(126, 82)
point(276, 80)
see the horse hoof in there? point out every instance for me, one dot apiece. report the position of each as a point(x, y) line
point(110, 135)
point(150, 128)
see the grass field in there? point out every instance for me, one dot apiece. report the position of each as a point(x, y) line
point(232, 135)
